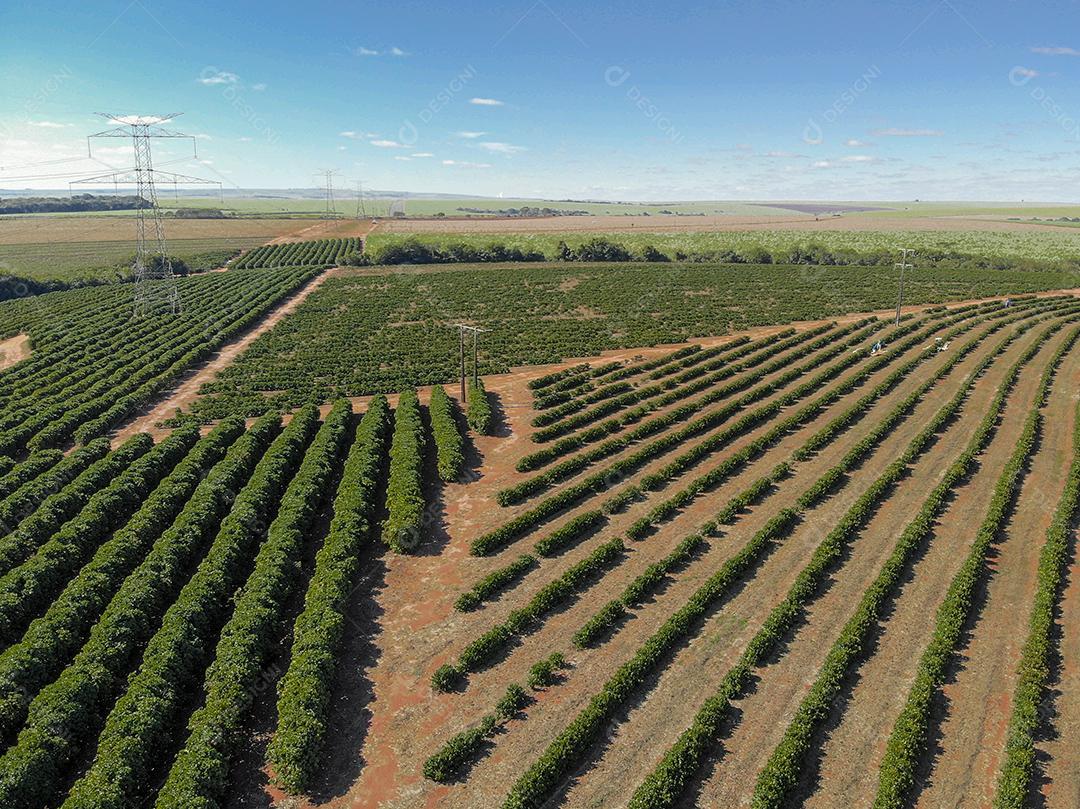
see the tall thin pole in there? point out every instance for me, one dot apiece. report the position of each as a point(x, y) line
point(475, 365)
point(461, 345)
point(903, 264)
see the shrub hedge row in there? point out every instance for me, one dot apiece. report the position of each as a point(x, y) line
point(200, 774)
point(66, 715)
point(405, 488)
point(304, 694)
point(144, 720)
point(449, 444)
point(27, 665)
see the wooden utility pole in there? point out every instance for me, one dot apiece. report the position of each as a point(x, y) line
point(476, 331)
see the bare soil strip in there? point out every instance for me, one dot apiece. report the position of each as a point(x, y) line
point(14, 349)
point(188, 388)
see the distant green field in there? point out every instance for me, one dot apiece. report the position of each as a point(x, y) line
point(346, 206)
point(1035, 246)
point(73, 261)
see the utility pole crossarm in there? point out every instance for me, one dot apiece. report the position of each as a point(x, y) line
point(476, 331)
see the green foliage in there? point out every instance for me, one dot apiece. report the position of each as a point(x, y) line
point(304, 694)
point(404, 524)
point(29, 588)
point(360, 334)
point(495, 583)
point(449, 444)
point(67, 714)
point(478, 410)
point(199, 776)
point(457, 752)
point(512, 702)
point(296, 254)
point(27, 665)
point(147, 715)
point(545, 672)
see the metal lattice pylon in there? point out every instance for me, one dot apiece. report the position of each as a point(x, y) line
point(154, 282)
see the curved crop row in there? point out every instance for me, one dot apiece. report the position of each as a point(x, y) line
point(636, 592)
point(509, 531)
point(573, 743)
point(24, 501)
point(1034, 673)
point(908, 737)
point(66, 715)
point(26, 666)
point(552, 595)
point(145, 717)
point(304, 693)
point(18, 475)
point(674, 390)
point(495, 583)
point(545, 480)
point(30, 587)
point(781, 772)
point(57, 509)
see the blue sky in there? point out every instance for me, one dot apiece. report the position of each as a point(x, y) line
point(930, 99)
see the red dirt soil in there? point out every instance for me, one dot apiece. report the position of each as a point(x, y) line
point(393, 719)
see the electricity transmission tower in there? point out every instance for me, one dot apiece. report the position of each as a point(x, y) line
point(331, 206)
point(903, 264)
point(152, 269)
point(476, 331)
point(360, 212)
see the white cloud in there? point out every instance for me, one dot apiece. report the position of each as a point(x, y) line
point(1024, 72)
point(397, 52)
point(214, 76)
point(782, 154)
point(421, 154)
point(856, 144)
point(258, 88)
point(1056, 50)
point(341, 148)
point(49, 124)
point(354, 135)
point(894, 132)
point(502, 148)
point(245, 139)
point(859, 158)
point(465, 164)
point(486, 102)
point(402, 157)
point(470, 135)
point(362, 51)
point(387, 144)
point(823, 164)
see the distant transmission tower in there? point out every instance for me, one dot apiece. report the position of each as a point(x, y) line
point(360, 212)
point(152, 269)
point(331, 206)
